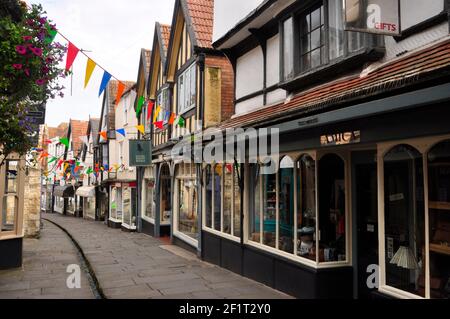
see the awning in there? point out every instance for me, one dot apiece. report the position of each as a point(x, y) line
point(86, 191)
point(64, 191)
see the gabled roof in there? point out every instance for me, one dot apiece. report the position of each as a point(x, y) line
point(94, 126)
point(160, 46)
point(420, 66)
point(76, 130)
point(60, 131)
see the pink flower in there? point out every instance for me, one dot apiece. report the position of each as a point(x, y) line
point(37, 51)
point(27, 72)
point(40, 82)
point(17, 66)
point(27, 38)
point(21, 49)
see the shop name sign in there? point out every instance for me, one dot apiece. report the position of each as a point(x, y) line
point(341, 138)
point(140, 153)
point(373, 16)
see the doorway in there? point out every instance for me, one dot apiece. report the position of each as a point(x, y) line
point(365, 203)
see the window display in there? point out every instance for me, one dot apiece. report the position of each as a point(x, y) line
point(71, 205)
point(217, 193)
point(439, 220)
point(187, 201)
point(306, 207)
point(10, 199)
point(286, 205)
point(404, 219)
point(255, 216)
point(129, 207)
point(166, 195)
point(89, 207)
point(116, 204)
point(236, 201)
point(208, 196)
point(269, 188)
point(150, 205)
point(332, 209)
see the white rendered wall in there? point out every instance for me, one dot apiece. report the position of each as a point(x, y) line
point(273, 60)
point(249, 73)
point(249, 105)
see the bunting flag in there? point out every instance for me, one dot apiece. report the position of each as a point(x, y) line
point(120, 90)
point(66, 165)
point(122, 132)
point(158, 110)
point(104, 135)
point(159, 124)
point(51, 34)
point(84, 139)
point(166, 116)
point(90, 66)
point(43, 155)
point(105, 80)
point(72, 53)
point(181, 122)
point(54, 159)
point(116, 167)
point(150, 106)
point(141, 128)
point(106, 167)
point(89, 171)
point(64, 141)
point(172, 119)
point(139, 105)
point(48, 142)
point(59, 164)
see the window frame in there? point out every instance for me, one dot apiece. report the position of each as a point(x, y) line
point(181, 107)
point(316, 155)
point(424, 146)
point(211, 229)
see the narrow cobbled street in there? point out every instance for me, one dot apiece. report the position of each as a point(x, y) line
point(126, 265)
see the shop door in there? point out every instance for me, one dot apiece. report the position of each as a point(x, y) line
point(366, 212)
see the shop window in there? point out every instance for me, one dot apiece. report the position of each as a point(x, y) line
point(222, 199)
point(269, 209)
point(208, 196)
point(404, 220)
point(286, 205)
point(129, 207)
point(116, 204)
point(217, 193)
point(166, 194)
point(150, 206)
point(187, 218)
point(89, 207)
point(306, 207)
point(10, 198)
point(439, 220)
point(255, 216)
point(332, 209)
point(236, 201)
point(71, 205)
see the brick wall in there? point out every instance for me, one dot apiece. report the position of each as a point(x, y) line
point(32, 203)
point(227, 84)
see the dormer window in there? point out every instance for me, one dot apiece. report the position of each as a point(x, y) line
point(314, 37)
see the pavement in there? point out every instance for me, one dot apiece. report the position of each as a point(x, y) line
point(127, 266)
point(44, 271)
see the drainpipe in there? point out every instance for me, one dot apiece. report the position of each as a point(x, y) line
point(201, 64)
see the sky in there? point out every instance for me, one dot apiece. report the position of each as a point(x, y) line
point(115, 31)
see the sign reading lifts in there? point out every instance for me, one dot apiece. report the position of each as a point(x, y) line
point(373, 16)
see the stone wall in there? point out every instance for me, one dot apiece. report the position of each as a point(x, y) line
point(32, 203)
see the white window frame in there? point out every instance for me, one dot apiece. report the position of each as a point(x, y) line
point(150, 177)
point(424, 146)
point(163, 100)
point(211, 230)
point(316, 155)
point(182, 106)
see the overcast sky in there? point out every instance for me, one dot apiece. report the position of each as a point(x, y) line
point(115, 31)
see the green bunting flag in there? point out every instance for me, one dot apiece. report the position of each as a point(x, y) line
point(181, 122)
point(51, 34)
point(52, 160)
point(64, 141)
point(89, 171)
point(139, 105)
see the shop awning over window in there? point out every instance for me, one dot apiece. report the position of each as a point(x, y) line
point(64, 191)
point(86, 191)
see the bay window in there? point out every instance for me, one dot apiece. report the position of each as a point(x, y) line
point(290, 208)
point(187, 89)
point(314, 37)
point(222, 204)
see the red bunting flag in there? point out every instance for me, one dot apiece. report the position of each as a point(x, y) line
point(120, 90)
point(48, 142)
point(150, 106)
point(159, 125)
point(104, 135)
point(72, 53)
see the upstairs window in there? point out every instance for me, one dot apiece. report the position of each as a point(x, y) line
point(164, 103)
point(314, 37)
point(187, 89)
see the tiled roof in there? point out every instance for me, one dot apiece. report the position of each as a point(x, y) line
point(409, 69)
point(201, 13)
point(112, 92)
point(60, 131)
point(165, 35)
point(78, 129)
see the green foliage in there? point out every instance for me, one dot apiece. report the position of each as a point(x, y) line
point(29, 73)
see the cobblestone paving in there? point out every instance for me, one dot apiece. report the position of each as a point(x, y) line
point(137, 266)
point(43, 274)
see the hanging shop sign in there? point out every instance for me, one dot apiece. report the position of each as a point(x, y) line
point(140, 153)
point(373, 16)
point(341, 138)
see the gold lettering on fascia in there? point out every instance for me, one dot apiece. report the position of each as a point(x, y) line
point(341, 138)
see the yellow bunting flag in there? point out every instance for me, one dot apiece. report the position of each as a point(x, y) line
point(157, 111)
point(90, 66)
point(141, 128)
point(66, 165)
point(120, 90)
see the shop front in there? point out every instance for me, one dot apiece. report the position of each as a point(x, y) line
point(88, 200)
point(64, 199)
point(157, 200)
point(123, 205)
point(357, 208)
